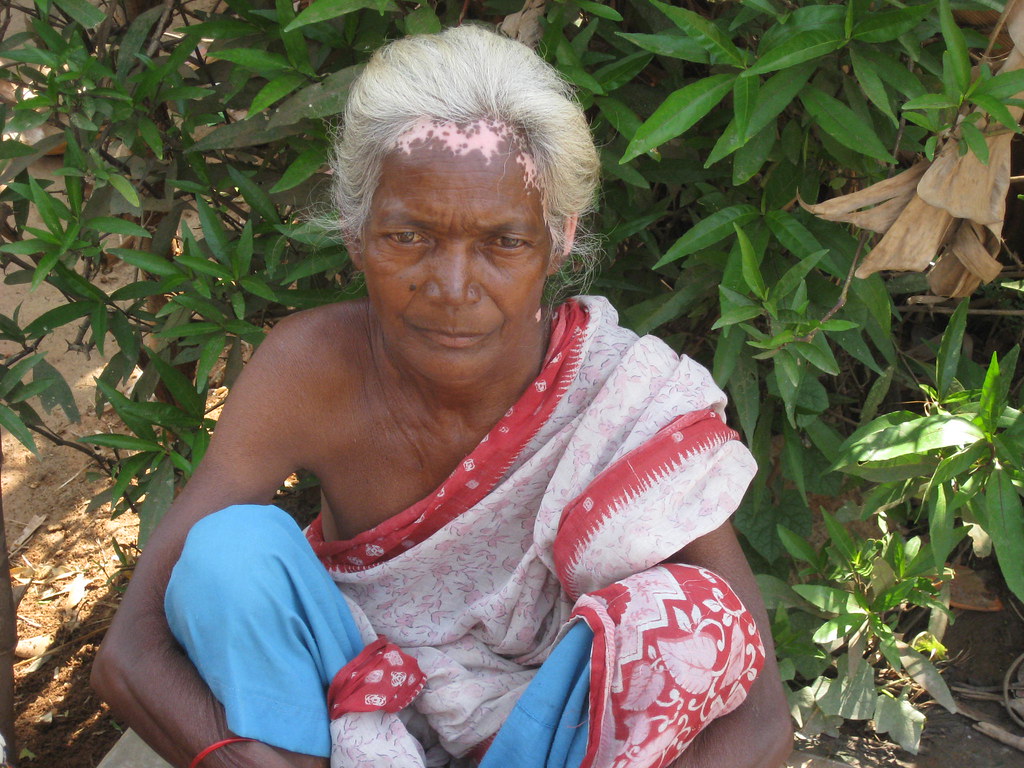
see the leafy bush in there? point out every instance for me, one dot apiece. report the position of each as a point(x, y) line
point(194, 147)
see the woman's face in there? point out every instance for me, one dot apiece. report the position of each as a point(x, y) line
point(456, 252)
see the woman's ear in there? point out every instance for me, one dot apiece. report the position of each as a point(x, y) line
point(355, 251)
point(568, 238)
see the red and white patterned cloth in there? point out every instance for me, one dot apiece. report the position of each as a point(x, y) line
point(674, 648)
point(613, 460)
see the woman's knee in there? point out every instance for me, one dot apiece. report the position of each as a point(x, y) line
point(227, 558)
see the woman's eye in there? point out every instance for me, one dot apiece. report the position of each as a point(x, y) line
point(510, 242)
point(405, 238)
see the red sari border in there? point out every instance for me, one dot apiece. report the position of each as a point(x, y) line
point(478, 473)
point(684, 437)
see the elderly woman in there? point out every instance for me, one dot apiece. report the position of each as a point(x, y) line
point(524, 556)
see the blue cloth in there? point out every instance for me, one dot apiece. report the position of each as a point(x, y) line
point(267, 629)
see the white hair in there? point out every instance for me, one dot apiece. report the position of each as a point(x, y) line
point(463, 75)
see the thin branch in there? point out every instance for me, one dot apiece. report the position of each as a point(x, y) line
point(970, 311)
point(862, 240)
point(105, 463)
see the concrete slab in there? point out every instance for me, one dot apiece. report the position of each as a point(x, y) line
point(131, 752)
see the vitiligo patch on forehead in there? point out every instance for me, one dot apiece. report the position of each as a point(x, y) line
point(490, 138)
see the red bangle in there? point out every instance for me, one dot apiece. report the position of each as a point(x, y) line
point(213, 748)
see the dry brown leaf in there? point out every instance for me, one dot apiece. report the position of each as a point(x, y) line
point(76, 590)
point(525, 24)
point(889, 197)
point(950, 278)
point(975, 248)
point(912, 242)
point(968, 591)
point(30, 527)
point(967, 189)
point(30, 647)
point(1015, 23)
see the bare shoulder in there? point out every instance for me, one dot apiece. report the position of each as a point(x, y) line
point(305, 373)
point(316, 348)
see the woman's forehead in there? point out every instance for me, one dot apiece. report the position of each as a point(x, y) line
point(495, 141)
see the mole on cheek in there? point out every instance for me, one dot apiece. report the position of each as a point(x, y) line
point(412, 287)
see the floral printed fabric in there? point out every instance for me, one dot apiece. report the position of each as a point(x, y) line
point(674, 648)
point(380, 677)
point(480, 602)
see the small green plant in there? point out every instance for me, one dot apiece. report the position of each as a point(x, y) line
point(837, 630)
point(959, 465)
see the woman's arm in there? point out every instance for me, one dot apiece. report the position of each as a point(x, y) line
point(759, 733)
point(140, 669)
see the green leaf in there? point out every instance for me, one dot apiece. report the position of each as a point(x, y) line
point(324, 10)
point(899, 719)
point(254, 195)
point(213, 231)
point(752, 156)
point(795, 274)
point(56, 317)
point(990, 407)
point(598, 9)
point(706, 32)
point(10, 148)
point(324, 99)
point(744, 96)
point(672, 46)
point(122, 442)
point(13, 424)
point(883, 26)
point(134, 39)
point(112, 225)
point(16, 373)
point(975, 141)
point(750, 264)
point(803, 46)
point(256, 59)
point(926, 675)
point(872, 85)
point(839, 537)
point(305, 165)
point(180, 387)
point(828, 599)
point(878, 442)
point(616, 74)
point(996, 109)
point(678, 113)
point(818, 356)
point(159, 487)
point(82, 11)
point(125, 188)
point(622, 118)
point(1005, 85)
point(798, 547)
point(842, 124)
point(1006, 527)
point(708, 231)
point(930, 101)
point(276, 89)
point(947, 360)
point(147, 262)
point(956, 47)
point(422, 21)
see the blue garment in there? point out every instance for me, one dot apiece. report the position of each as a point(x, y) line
point(267, 629)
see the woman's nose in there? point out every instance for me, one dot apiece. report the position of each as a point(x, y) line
point(452, 277)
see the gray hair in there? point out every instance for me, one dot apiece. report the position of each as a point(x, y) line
point(462, 75)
